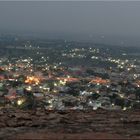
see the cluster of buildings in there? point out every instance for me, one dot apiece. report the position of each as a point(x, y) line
point(25, 85)
point(69, 77)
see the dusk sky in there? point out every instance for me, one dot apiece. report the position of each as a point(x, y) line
point(120, 20)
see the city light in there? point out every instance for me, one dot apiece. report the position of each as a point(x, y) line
point(32, 80)
point(20, 102)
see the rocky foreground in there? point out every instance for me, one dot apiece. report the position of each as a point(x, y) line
point(42, 124)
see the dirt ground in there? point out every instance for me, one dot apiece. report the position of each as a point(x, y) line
point(67, 125)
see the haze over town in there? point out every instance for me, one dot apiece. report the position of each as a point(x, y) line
point(106, 22)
